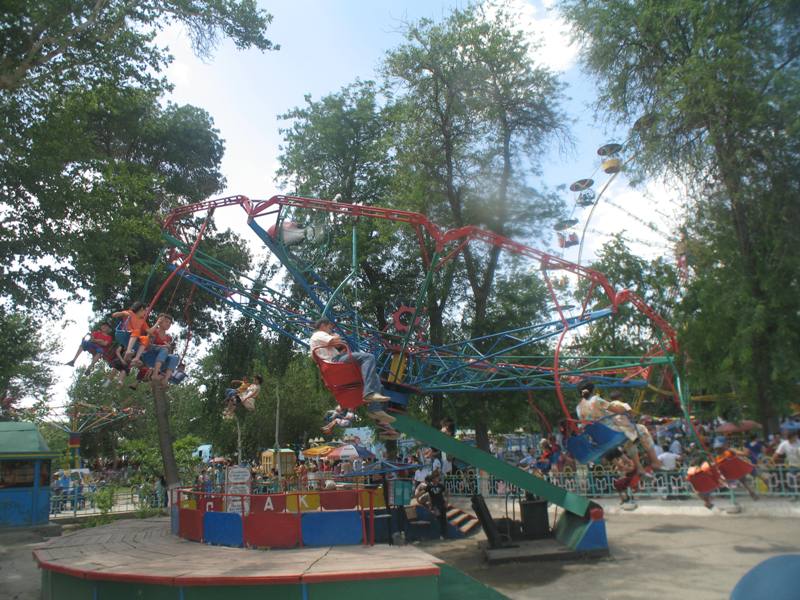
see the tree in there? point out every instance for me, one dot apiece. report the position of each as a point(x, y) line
point(24, 358)
point(86, 145)
point(630, 332)
point(89, 154)
point(713, 87)
point(52, 42)
point(337, 145)
point(475, 106)
point(141, 452)
point(89, 186)
point(342, 145)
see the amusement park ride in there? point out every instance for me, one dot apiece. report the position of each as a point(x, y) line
point(298, 232)
point(85, 418)
point(503, 361)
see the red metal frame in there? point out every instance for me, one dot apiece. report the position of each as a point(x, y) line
point(463, 235)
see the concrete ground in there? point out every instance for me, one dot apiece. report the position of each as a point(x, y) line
point(19, 576)
point(652, 556)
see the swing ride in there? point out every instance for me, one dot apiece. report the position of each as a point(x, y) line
point(542, 354)
point(409, 363)
point(301, 237)
point(85, 418)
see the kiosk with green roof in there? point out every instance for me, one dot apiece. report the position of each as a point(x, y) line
point(24, 475)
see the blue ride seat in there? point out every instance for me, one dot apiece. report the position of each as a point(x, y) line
point(594, 442)
point(603, 435)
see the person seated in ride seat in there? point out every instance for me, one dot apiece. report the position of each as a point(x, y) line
point(245, 395)
point(629, 474)
point(143, 374)
point(329, 348)
point(338, 418)
point(699, 465)
point(179, 375)
point(593, 408)
point(528, 462)
point(242, 384)
point(726, 452)
point(290, 233)
point(544, 462)
point(119, 368)
point(134, 335)
point(99, 341)
point(158, 353)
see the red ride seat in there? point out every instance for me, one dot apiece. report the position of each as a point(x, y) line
point(343, 380)
point(704, 479)
point(732, 467)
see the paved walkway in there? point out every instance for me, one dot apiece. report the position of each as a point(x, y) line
point(145, 550)
point(652, 557)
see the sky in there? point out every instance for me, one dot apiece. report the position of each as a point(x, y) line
point(327, 45)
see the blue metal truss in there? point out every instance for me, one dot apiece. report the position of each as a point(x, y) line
point(506, 361)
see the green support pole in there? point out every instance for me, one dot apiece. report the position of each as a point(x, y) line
point(423, 292)
point(352, 275)
point(578, 505)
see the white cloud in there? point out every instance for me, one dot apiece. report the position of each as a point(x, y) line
point(647, 217)
point(544, 26)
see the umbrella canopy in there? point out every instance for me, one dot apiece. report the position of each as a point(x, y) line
point(741, 427)
point(318, 451)
point(726, 428)
point(350, 451)
point(791, 426)
point(748, 425)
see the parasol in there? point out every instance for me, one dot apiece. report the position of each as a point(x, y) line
point(350, 451)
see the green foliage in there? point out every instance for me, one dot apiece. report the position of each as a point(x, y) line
point(104, 498)
point(338, 145)
point(24, 357)
point(48, 42)
point(656, 281)
point(715, 88)
point(452, 139)
point(291, 377)
point(145, 453)
point(472, 108)
point(89, 154)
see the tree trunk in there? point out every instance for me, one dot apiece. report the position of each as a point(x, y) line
point(482, 435)
point(165, 435)
point(762, 365)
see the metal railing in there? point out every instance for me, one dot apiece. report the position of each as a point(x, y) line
point(81, 501)
point(598, 482)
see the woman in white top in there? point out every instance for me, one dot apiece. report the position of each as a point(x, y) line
point(593, 408)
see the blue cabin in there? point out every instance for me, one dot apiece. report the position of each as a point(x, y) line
point(24, 475)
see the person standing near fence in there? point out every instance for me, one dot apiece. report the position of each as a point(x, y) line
point(438, 498)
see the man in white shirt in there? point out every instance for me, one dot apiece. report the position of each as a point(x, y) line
point(789, 449)
point(675, 447)
point(436, 463)
point(328, 347)
point(669, 460)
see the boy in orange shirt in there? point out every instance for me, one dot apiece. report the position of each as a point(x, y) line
point(136, 331)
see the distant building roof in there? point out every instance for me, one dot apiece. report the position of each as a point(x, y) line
point(19, 439)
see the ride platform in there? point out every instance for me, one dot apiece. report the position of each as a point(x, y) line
point(542, 550)
point(136, 559)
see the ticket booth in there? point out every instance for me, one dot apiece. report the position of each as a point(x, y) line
point(24, 475)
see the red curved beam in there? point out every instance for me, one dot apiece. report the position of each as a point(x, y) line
point(462, 236)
